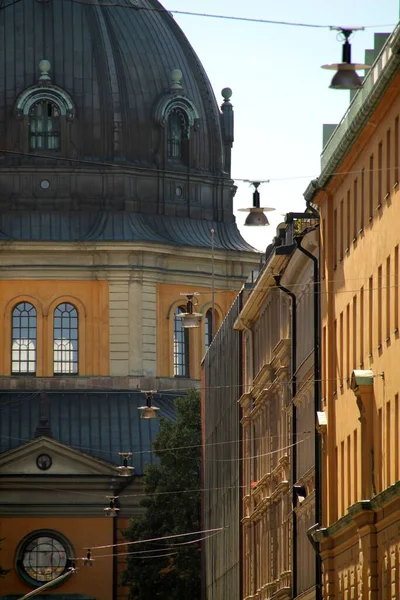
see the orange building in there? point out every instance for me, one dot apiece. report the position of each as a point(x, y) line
point(116, 201)
point(359, 201)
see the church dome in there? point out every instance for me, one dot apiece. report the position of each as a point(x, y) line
point(105, 105)
point(114, 60)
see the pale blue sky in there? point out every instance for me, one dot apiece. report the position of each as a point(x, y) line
point(281, 96)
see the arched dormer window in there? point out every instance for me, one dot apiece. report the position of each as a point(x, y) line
point(177, 134)
point(44, 126)
point(65, 339)
point(181, 345)
point(23, 339)
point(177, 114)
point(44, 110)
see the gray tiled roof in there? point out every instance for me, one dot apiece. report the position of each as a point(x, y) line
point(119, 226)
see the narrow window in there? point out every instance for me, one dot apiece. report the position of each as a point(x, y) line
point(361, 331)
point(380, 175)
point(342, 479)
point(355, 465)
point(396, 446)
point(44, 126)
point(348, 219)
point(355, 333)
point(181, 345)
point(23, 349)
point(379, 307)
point(335, 238)
point(388, 294)
point(388, 162)
point(335, 354)
point(348, 341)
point(349, 473)
point(362, 200)
point(355, 210)
point(371, 188)
point(65, 340)
point(341, 230)
point(396, 290)
point(370, 315)
point(396, 151)
point(388, 457)
point(208, 328)
point(177, 134)
point(341, 351)
point(379, 453)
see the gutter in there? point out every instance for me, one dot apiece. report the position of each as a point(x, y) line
point(294, 429)
point(317, 403)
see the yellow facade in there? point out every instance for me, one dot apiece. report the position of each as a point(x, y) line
point(169, 298)
point(360, 212)
point(80, 532)
point(90, 298)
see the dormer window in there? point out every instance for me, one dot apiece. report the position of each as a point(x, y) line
point(44, 126)
point(177, 134)
point(45, 112)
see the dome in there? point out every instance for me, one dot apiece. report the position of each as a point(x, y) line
point(107, 106)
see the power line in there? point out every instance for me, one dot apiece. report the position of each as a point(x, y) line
point(156, 539)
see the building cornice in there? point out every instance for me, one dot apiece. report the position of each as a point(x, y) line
point(359, 112)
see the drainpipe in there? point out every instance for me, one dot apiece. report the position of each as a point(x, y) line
point(317, 407)
point(294, 429)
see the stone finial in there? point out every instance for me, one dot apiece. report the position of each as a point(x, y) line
point(226, 94)
point(44, 68)
point(176, 79)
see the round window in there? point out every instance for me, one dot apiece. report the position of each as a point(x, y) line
point(43, 556)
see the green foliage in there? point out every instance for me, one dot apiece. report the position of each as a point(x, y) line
point(178, 576)
point(3, 572)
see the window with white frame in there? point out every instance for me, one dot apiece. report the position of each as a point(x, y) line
point(66, 339)
point(181, 345)
point(23, 343)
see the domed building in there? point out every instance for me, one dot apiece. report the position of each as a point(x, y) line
point(116, 204)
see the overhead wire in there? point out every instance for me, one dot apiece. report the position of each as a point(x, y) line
point(155, 539)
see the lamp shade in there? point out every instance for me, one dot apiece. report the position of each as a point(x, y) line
point(148, 412)
point(256, 218)
point(346, 79)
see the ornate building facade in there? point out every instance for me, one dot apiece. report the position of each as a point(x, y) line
point(357, 193)
point(259, 415)
point(114, 184)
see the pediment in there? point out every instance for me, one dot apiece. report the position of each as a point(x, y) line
point(64, 460)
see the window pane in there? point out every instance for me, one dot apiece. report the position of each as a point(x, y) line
point(181, 346)
point(44, 126)
point(23, 349)
point(65, 340)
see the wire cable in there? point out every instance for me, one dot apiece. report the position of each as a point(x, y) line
point(156, 539)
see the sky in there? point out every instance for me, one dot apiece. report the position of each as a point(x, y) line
point(281, 95)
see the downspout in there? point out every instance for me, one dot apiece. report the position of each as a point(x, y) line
point(294, 429)
point(317, 408)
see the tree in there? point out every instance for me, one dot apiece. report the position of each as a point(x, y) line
point(172, 506)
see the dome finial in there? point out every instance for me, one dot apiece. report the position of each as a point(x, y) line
point(176, 79)
point(44, 68)
point(226, 94)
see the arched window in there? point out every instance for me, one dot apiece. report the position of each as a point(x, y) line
point(181, 345)
point(44, 126)
point(65, 340)
point(177, 134)
point(208, 328)
point(23, 345)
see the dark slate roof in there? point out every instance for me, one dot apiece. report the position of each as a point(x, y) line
point(119, 226)
point(100, 424)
